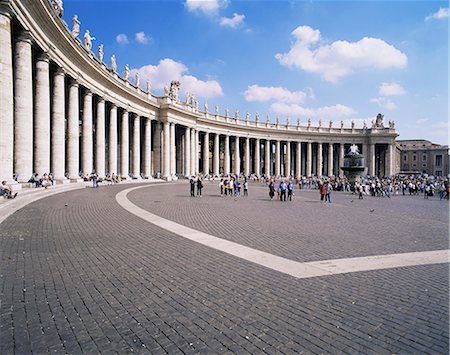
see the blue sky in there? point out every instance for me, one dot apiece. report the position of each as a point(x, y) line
point(323, 60)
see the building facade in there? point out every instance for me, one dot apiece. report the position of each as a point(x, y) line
point(422, 156)
point(64, 110)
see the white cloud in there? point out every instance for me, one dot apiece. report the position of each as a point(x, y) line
point(207, 7)
point(333, 112)
point(142, 38)
point(168, 70)
point(421, 121)
point(263, 93)
point(384, 102)
point(338, 59)
point(122, 38)
point(391, 89)
point(233, 22)
point(442, 13)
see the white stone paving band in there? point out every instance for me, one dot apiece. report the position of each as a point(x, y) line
point(286, 266)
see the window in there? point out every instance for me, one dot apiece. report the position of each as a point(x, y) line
point(414, 157)
point(414, 165)
point(438, 173)
point(424, 157)
point(438, 160)
point(405, 157)
point(424, 165)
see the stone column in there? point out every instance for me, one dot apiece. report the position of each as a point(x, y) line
point(147, 148)
point(124, 146)
point(287, 171)
point(73, 131)
point(237, 158)
point(247, 157)
point(298, 165)
point(371, 162)
point(136, 147)
point(226, 163)
point(257, 157)
point(277, 159)
point(173, 150)
point(166, 151)
point(23, 108)
point(205, 151)
point(187, 152)
point(389, 160)
point(216, 155)
point(341, 156)
point(6, 98)
point(58, 146)
point(193, 170)
point(157, 149)
point(197, 140)
point(100, 134)
point(309, 159)
point(86, 134)
point(112, 146)
point(319, 159)
point(42, 116)
point(267, 159)
point(330, 159)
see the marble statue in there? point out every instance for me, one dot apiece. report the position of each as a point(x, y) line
point(217, 109)
point(247, 116)
point(354, 149)
point(364, 125)
point(267, 119)
point(196, 105)
point(174, 89)
point(58, 7)
point(298, 122)
point(277, 120)
point(166, 90)
point(379, 121)
point(100, 52)
point(342, 124)
point(88, 40)
point(353, 124)
point(75, 26)
point(206, 107)
point(113, 63)
point(287, 122)
point(392, 124)
point(257, 117)
point(227, 112)
point(236, 115)
point(320, 123)
point(149, 86)
point(309, 122)
point(138, 79)
point(126, 72)
point(331, 124)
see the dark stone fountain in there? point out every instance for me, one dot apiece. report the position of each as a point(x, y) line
point(353, 165)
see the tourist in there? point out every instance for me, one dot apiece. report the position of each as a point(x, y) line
point(282, 189)
point(6, 190)
point(94, 178)
point(323, 190)
point(192, 186)
point(45, 181)
point(271, 190)
point(328, 192)
point(221, 183)
point(290, 190)
point(245, 187)
point(199, 187)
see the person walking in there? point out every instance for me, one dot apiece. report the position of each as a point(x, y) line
point(199, 187)
point(282, 189)
point(271, 190)
point(328, 192)
point(192, 186)
point(290, 190)
point(245, 187)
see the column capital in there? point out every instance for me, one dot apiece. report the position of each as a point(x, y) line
point(24, 36)
point(100, 99)
point(87, 92)
point(60, 71)
point(73, 83)
point(113, 106)
point(5, 8)
point(43, 57)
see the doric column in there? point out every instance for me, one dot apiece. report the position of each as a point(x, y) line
point(226, 163)
point(187, 152)
point(23, 108)
point(58, 147)
point(42, 116)
point(173, 150)
point(287, 171)
point(237, 157)
point(86, 134)
point(298, 155)
point(6, 98)
point(389, 170)
point(166, 151)
point(257, 157)
point(112, 145)
point(330, 159)
point(371, 162)
point(277, 158)
point(247, 157)
point(73, 131)
point(309, 159)
point(193, 170)
point(197, 160)
point(100, 139)
point(341, 156)
point(319, 160)
point(216, 156)
point(124, 146)
point(267, 159)
point(136, 146)
point(147, 147)
point(157, 149)
point(205, 151)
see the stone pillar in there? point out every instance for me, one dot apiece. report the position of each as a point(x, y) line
point(58, 146)
point(247, 157)
point(6, 98)
point(73, 132)
point(166, 151)
point(298, 165)
point(237, 158)
point(319, 159)
point(267, 159)
point(196, 152)
point(147, 148)
point(100, 134)
point(389, 170)
point(330, 159)
point(277, 159)
point(193, 168)
point(86, 135)
point(23, 108)
point(287, 170)
point(42, 116)
point(341, 157)
point(173, 150)
point(136, 147)
point(157, 149)
point(257, 157)
point(371, 162)
point(226, 163)
point(309, 159)
point(205, 152)
point(216, 156)
point(124, 146)
point(187, 152)
point(112, 146)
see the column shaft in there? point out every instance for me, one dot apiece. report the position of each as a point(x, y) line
point(173, 150)
point(73, 131)
point(216, 156)
point(197, 158)
point(206, 153)
point(278, 159)
point(298, 165)
point(341, 156)
point(58, 147)
point(136, 146)
point(237, 158)
point(100, 137)
point(247, 157)
point(287, 171)
point(112, 144)
point(309, 159)
point(157, 149)
point(330, 159)
point(226, 163)
point(193, 169)
point(371, 162)
point(319, 160)
point(166, 151)
point(124, 146)
point(86, 135)
point(147, 147)
point(267, 159)
point(257, 157)
point(187, 152)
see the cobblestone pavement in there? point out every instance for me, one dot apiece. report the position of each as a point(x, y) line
point(79, 274)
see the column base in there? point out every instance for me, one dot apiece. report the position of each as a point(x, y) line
point(62, 181)
point(167, 178)
point(76, 180)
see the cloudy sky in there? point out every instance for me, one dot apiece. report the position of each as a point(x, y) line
point(324, 60)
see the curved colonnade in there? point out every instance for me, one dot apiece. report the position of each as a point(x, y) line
point(63, 111)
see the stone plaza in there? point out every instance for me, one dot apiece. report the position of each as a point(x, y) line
point(83, 271)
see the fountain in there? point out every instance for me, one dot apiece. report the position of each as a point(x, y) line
point(353, 165)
